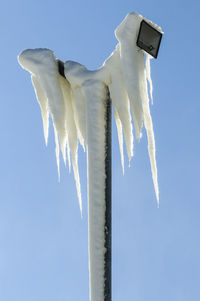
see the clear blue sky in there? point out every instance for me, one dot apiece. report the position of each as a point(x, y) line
point(43, 241)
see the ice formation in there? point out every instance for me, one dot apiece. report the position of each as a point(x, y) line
point(76, 105)
point(55, 97)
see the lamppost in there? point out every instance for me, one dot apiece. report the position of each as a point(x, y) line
point(79, 102)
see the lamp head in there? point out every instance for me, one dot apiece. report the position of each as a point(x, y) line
point(149, 39)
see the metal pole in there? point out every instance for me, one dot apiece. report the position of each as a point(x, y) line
point(108, 201)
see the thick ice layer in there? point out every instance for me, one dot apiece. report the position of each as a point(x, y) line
point(126, 33)
point(95, 94)
point(77, 108)
point(136, 75)
point(120, 101)
point(41, 97)
point(55, 97)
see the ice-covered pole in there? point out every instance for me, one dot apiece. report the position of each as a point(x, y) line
point(95, 94)
point(99, 186)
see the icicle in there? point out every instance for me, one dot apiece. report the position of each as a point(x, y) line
point(148, 73)
point(148, 126)
point(151, 147)
point(79, 102)
point(65, 87)
point(63, 150)
point(68, 155)
point(42, 100)
point(57, 151)
point(120, 137)
point(120, 99)
point(57, 108)
point(76, 119)
point(42, 64)
point(72, 136)
point(126, 34)
point(76, 176)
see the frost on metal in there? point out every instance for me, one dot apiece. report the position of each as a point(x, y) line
point(76, 105)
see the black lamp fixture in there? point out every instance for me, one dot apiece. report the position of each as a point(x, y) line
point(149, 39)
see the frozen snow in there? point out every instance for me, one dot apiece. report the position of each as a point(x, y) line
point(136, 75)
point(120, 101)
point(77, 107)
point(55, 97)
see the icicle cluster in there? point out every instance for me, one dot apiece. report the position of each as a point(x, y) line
point(126, 75)
point(129, 89)
point(56, 98)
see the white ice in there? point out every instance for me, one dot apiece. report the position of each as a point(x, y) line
point(55, 98)
point(95, 104)
point(77, 107)
point(136, 75)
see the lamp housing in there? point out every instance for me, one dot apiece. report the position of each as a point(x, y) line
point(149, 39)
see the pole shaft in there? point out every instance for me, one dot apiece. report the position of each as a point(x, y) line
point(108, 201)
